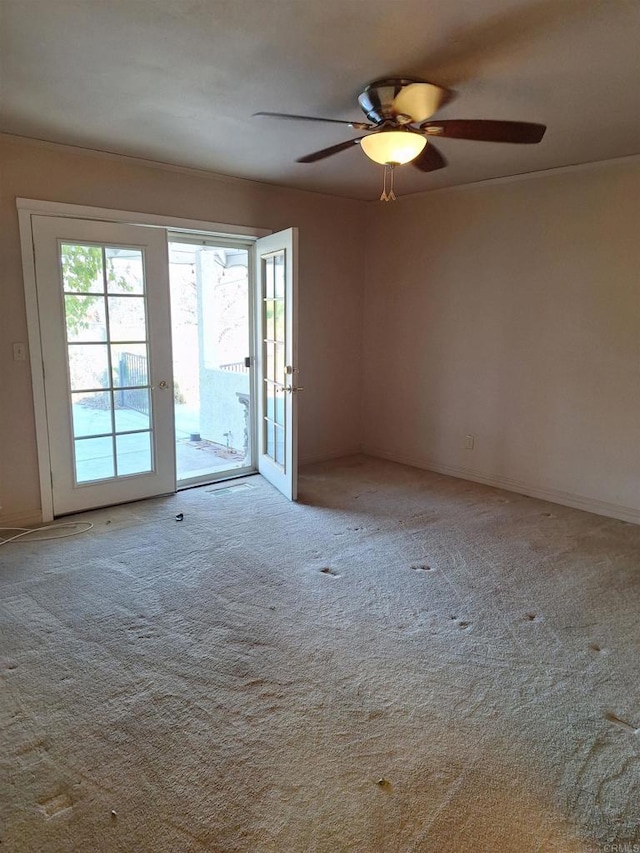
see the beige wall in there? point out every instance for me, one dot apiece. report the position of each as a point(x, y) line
point(511, 311)
point(331, 260)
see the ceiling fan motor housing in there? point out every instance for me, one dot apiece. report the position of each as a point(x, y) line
point(401, 100)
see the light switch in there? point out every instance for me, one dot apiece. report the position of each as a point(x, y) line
point(19, 352)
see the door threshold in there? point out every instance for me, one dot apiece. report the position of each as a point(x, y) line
point(195, 483)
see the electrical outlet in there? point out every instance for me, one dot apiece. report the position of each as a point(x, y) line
point(469, 442)
point(19, 352)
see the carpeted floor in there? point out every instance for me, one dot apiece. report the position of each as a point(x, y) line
point(401, 662)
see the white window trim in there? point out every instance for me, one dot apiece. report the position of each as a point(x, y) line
point(33, 207)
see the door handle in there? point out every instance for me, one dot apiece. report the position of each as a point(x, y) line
point(292, 389)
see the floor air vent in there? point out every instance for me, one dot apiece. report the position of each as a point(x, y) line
point(230, 490)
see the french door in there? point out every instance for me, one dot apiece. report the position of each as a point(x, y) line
point(103, 302)
point(277, 358)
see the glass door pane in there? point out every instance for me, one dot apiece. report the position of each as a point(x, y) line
point(211, 348)
point(107, 356)
point(273, 357)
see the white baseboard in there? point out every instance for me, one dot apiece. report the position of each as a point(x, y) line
point(21, 519)
point(611, 510)
point(327, 455)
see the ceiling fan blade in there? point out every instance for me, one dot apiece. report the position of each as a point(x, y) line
point(429, 159)
point(358, 125)
point(523, 132)
point(327, 152)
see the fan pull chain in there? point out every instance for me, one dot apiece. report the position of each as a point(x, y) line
point(388, 194)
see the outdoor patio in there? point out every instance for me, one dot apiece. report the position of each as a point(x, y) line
point(94, 456)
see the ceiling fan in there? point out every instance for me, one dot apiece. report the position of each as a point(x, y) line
point(399, 127)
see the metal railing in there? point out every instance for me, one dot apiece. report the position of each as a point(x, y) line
point(235, 367)
point(132, 371)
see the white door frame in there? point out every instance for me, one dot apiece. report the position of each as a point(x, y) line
point(153, 338)
point(33, 207)
point(283, 475)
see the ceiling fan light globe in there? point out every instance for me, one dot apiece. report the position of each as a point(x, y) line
point(393, 146)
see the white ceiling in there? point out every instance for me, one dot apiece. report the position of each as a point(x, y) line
point(178, 80)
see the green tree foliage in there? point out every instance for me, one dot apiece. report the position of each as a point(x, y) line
point(82, 272)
